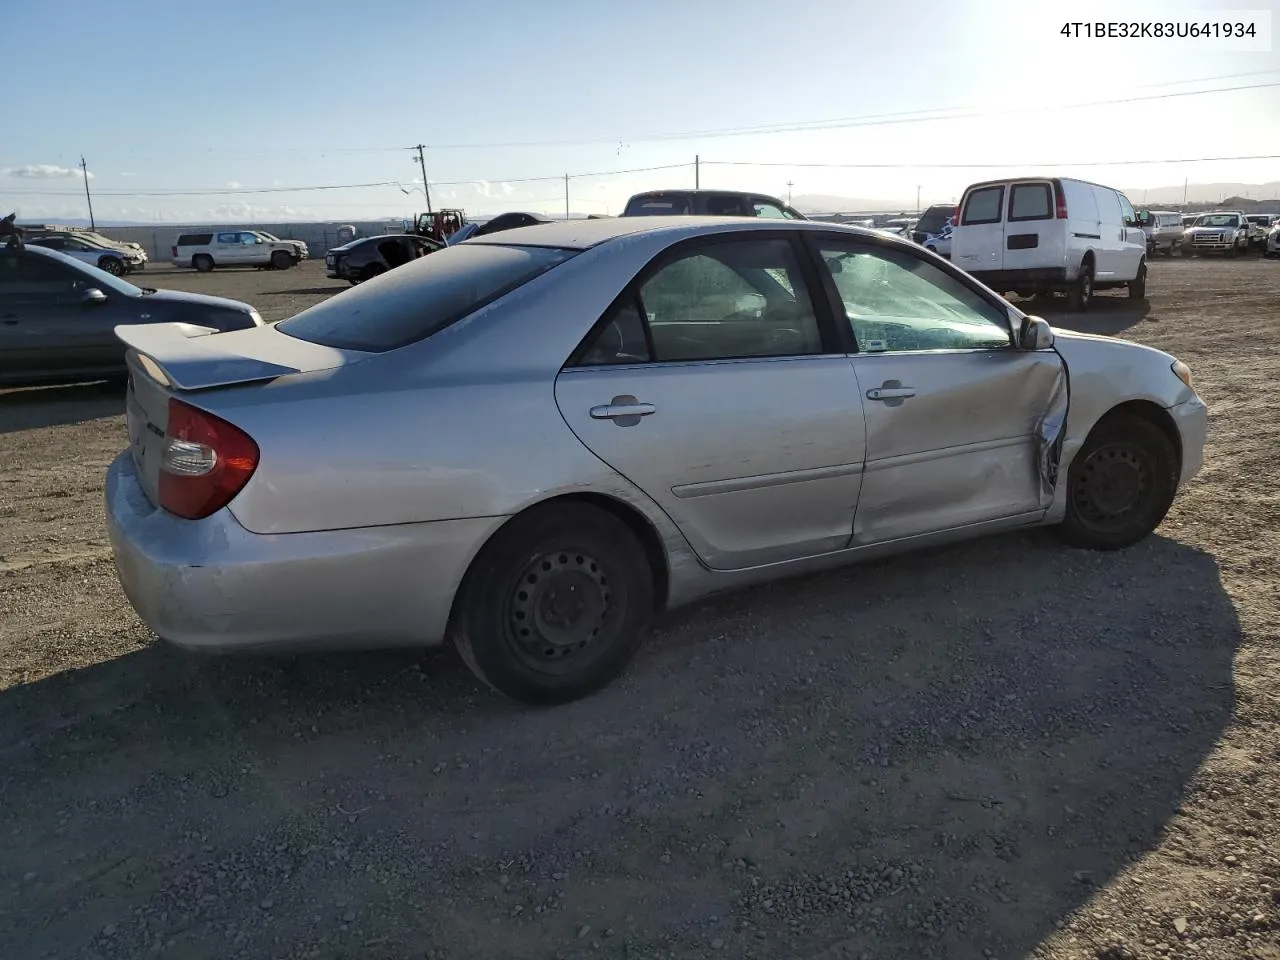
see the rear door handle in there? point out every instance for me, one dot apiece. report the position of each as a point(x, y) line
point(624, 410)
point(890, 393)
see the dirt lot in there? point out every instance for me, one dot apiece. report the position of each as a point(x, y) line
point(1003, 749)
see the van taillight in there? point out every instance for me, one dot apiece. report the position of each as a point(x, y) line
point(175, 250)
point(955, 216)
point(1060, 198)
point(205, 462)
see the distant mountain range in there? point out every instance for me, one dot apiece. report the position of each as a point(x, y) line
point(1266, 194)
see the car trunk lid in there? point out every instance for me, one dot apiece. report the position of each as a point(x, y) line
point(180, 359)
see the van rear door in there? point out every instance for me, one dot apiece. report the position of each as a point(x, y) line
point(977, 241)
point(1030, 239)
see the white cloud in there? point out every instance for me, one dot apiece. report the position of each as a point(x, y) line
point(232, 185)
point(507, 189)
point(45, 171)
point(484, 188)
point(128, 173)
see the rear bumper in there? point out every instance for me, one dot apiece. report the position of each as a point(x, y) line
point(1002, 280)
point(211, 584)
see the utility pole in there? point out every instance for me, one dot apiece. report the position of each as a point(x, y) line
point(566, 196)
point(84, 169)
point(789, 186)
point(917, 199)
point(422, 165)
point(697, 172)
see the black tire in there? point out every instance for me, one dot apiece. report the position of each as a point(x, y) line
point(372, 270)
point(1187, 251)
point(111, 265)
point(281, 260)
point(1120, 485)
point(202, 262)
point(1081, 293)
point(1138, 285)
point(504, 625)
point(353, 282)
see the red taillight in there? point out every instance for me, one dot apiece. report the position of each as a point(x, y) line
point(175, 251)
point(206, 462)
point(1060, 198)
point(955, 216)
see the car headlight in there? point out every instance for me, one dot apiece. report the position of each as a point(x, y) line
point(1182, 372)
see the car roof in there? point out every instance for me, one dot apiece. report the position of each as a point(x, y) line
point(584, 234)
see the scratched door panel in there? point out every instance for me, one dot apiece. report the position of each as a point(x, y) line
point(755, 460)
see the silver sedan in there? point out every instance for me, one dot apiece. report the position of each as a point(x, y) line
point(530, 443)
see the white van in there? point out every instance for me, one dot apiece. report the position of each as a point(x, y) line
point(1044, 235)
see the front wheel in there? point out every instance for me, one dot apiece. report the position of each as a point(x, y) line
point(1138, 285)
point(281, 260)
point(202, 262)
point(111, 265)
point(1120, 485)
point(555, 605)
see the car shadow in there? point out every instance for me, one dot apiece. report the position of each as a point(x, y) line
point(930, 756)
point(1109, 314)
point(30, 408)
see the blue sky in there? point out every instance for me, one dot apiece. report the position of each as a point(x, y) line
point(163, 97)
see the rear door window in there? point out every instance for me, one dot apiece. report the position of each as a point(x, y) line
point(447, 286)
point(195, 239)
point(983, 206)
point(1030, 201)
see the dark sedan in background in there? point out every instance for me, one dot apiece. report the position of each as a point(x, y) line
point(58, 316)
point(364, 259)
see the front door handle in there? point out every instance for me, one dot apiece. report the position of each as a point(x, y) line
point(890, 393)
point(624, 410)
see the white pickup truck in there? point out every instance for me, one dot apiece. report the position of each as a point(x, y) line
point(1222, 231)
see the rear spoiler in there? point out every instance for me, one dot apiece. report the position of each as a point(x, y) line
point(178, 355)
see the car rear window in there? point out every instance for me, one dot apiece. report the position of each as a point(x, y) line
point(1030, 201)
point(983, 206)
point(658, 207)
point(933, 219)
point(195, 239)
point(412, 303)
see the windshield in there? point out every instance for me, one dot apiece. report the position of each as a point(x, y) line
point(267, 236)
point(417, 300)
point(1217, 220)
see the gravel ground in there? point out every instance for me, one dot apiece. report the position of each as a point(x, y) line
point(1002, 749)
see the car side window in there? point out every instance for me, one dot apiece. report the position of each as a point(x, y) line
point(35, 280)
point(249, 239)
point(228, 238)
point(896, 301)
point(763, 208)
point(1126, 211)
point(729, 300)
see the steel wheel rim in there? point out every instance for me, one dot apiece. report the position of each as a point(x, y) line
point(1113, 486)
point(1086, 286)
point(559, 610)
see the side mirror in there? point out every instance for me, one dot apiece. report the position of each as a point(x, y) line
point(93, 295)
point(1035, 334)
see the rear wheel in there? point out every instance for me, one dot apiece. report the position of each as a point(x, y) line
point(1138, 285)
point(281, 260)
point(555, 605)
point(202, 262)
point(1081, 293)
point(111, 265)
point(1120, 485)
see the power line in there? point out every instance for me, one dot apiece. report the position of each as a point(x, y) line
point(980, 166)
point(242, 191)
point(871, 120)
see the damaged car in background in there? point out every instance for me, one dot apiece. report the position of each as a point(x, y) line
point(532, 443)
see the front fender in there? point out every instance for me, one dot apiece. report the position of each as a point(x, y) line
point(1103, 373)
